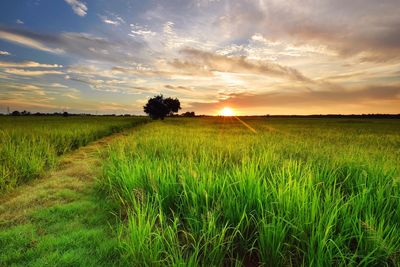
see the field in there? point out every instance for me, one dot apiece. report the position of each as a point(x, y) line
point(30, 145)
point(212, 192)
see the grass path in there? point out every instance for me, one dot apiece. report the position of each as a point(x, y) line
point(61, 219)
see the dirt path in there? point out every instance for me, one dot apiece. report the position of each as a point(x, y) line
point(61, 219)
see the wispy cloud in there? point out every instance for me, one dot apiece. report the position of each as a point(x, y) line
point(356, 99)
point(28, 102)
point(24, 88)
point(28, 64)
point(213, 62)
point(29, 68)
point(115, 20)
point(26, 41)
point(4, 53)
point(178, 88)
point(109, 21)
point(71, 95)
point(78, 7)
point(141, 31)
point(86, 46)
point(58, 85)
point(23, 72)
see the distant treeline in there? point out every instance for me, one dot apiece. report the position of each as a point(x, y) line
point(372, 116)
point(66, 114)
point(192, 114)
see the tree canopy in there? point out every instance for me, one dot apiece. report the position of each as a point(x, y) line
point(159, 107)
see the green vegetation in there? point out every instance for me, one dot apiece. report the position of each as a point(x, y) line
point(298, 192)
point(30, 145)
point(61, 220)
point(200, 192)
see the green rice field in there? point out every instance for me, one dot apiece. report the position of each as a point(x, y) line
point(30, 145)
point(296, 192)
point(213, 191)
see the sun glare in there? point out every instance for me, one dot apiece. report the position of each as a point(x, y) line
point(227, 112)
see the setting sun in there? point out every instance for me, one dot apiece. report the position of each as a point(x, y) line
point(227, 112)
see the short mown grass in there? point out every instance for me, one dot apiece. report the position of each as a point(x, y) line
point(71, 233)
point(299, 192)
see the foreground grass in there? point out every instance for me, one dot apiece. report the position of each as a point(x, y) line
point(60, 220)
point(31, 145)
point(209, 192)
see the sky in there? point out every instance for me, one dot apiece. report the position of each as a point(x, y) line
point(257, 57)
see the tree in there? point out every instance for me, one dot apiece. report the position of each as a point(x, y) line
point(188, 114)
point(159, 107)
point(173, 105)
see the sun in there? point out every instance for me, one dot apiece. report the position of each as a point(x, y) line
point(228, 112)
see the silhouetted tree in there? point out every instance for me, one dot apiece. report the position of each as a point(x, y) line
point(159, 107)
point(173, 105)
point(15, 113)
point(189, 114)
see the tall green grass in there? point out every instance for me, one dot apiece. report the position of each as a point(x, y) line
point(31, 145)
point(299, 192)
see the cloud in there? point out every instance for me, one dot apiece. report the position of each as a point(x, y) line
point(112, 22)
point(22, 72)
point(84, 45)
point(18, 68)
point(308, 99)
point(25, 88)
point(197, 63)
point(57, 89)
point(78, 7)
point(115, 106)
point(360, 29)
point(4, 53)
point(28, 102)
point(58, 85)
point(27, 64)
point(141, 31)
point(179, 88)
point(26, 41)
point(71, 95)
point(265, 53)
point(189, 70)
point(18, 21)
point(116, 20)
point(213, 62)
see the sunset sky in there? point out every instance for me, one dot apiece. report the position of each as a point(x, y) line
point(257, 57)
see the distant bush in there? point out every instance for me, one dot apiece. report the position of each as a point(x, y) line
point(188, 114)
